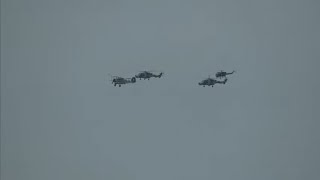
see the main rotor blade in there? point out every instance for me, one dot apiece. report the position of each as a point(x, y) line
point(111, 75)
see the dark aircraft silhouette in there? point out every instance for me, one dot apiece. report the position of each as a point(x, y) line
point(210, 82)
point(116, 80)
point(223, 74)
point(147, 75)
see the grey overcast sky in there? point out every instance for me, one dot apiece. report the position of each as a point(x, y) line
point(61, 118)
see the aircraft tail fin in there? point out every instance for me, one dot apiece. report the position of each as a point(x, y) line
point(224, 82)
point(160, 75)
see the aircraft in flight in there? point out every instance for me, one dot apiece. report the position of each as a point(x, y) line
point(147, 75)
point(211, 82)
point(223, 74)
point(116, 80)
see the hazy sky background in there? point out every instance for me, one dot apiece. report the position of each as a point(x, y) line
point(62, 119)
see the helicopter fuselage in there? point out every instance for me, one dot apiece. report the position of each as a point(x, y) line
point(211, 82)
point(147, 75)
point(121, 81)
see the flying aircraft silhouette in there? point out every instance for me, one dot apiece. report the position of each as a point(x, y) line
point(116, 80)
point(211, 82)
point(147, 75)
point(223, 74)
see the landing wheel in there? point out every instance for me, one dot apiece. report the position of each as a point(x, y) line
point(148, 79)
point(119, 85)
point(115, 84)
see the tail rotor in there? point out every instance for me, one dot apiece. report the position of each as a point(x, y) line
point(224, 82)
point(161, 74)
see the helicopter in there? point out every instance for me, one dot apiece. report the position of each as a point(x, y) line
point(210, 82)
point(116, 80)
point(222, 74)
point(147, 75)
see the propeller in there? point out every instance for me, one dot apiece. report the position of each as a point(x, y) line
point(160, 72)
point(111, 75)
point(150, 71)
point(112, 78)
point(209, 77)
point(212, 74)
